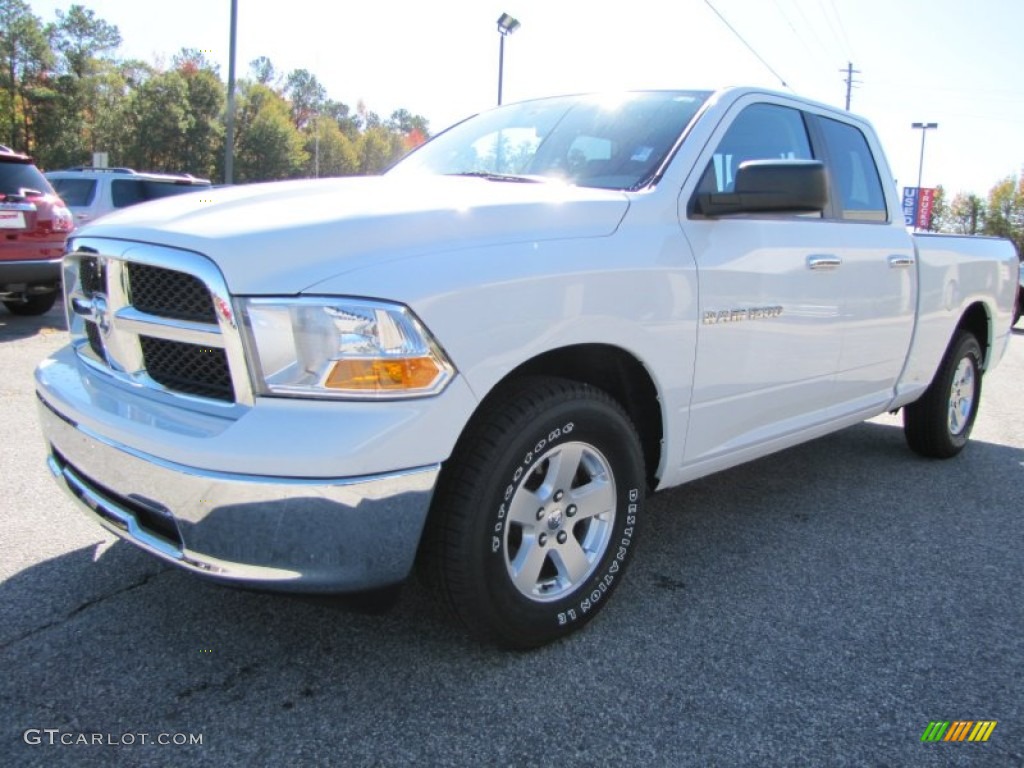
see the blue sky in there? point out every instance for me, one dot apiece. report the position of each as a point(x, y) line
point(946, 61)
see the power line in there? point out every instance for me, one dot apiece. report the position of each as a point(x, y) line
point(749, 46)
point(817, 38)
point(796, 34)
point(832, 28)
point(842, 29)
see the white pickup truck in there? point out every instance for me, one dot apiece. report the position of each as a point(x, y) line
point(481, 362)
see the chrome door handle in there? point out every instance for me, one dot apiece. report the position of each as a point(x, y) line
point(824, 262)
point(899, 261)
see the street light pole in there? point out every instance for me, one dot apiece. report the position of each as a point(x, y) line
point(229, 137)
point(506, 26)
point(924, 128)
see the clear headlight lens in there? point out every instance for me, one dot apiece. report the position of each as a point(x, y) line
point(354, 348)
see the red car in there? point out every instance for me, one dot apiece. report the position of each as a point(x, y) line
point(34, 223)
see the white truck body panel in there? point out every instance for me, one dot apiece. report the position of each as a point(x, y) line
point(343, 224)
point(757, 332)
point(954, 273)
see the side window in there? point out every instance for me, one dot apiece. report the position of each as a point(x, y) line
point(854, 172)
point(154, 190)
point(75, 191)
point(126, 192)
point(760, 132)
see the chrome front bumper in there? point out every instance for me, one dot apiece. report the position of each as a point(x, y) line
point(285, 534)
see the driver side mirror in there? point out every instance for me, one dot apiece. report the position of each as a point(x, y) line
point(770, 186)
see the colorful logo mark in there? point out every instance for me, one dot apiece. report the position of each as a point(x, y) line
point(958, 730)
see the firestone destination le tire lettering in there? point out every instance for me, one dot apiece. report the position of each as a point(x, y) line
point(536, 514)
point(939, 424)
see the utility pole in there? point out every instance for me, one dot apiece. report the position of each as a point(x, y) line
point(850, 82)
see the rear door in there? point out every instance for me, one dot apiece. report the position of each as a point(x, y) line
point(877, 271)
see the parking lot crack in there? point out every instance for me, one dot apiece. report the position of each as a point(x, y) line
point(146, 579)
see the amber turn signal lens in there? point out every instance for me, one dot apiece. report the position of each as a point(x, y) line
point(378, 375)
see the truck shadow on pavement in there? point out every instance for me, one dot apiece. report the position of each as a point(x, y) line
point(14, 327)
point(817, 562)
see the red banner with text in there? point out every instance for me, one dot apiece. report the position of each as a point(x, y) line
point(925, 203)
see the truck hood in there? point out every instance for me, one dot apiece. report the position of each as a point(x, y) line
point(283, 237)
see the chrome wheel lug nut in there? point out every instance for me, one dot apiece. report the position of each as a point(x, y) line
point(562, 536)
point(559, 495)
point(540, 513)
point(571, 510)
point(542, 539)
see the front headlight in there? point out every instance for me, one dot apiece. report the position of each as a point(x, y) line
point(342, 348)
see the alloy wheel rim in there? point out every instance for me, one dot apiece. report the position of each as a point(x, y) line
point(560, 521)
point(961, 397)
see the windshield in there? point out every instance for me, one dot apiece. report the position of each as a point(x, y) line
point(607, 141)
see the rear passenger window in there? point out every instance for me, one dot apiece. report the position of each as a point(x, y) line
point(854, 173)
point(75, 191)
point(760, 132)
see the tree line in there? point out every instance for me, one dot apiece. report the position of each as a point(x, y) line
point(65, 95)
point(1000, 214)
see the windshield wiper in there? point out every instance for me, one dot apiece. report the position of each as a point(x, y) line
point(491, 176)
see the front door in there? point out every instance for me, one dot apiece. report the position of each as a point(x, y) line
point(768, 343)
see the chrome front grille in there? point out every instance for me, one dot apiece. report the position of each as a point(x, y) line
point(93, 275)
point(188, 368)
point(156, 317)
point(166, 293)
point(95, 340)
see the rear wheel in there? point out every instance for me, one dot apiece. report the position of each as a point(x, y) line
point(536, 513)
point(939, 424)
point(38, 304)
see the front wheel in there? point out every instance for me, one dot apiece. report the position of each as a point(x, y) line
point(939, 424)
point(536, 513)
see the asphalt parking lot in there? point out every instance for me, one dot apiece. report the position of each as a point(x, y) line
point(816, 608)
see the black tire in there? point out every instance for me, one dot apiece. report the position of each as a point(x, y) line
point(547, 484)
point(1018, 309)
point(38, 304)
point(939, 424)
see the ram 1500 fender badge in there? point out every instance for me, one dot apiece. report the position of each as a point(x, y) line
point(737, 315)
